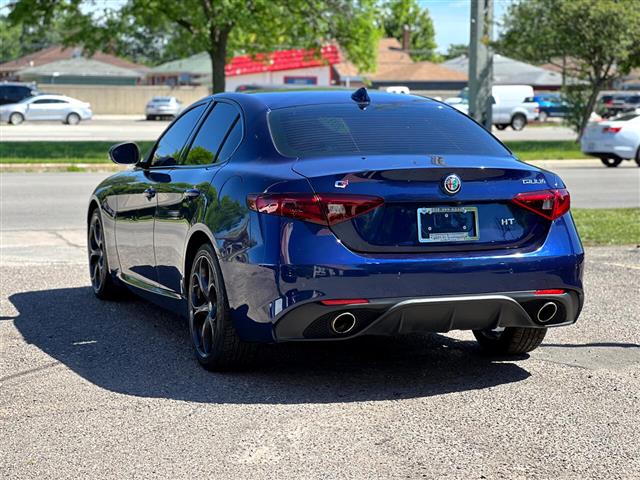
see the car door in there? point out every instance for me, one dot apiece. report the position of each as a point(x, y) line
point(188, 191)
point(137, 201)
point(499, 112)
point(46, 109)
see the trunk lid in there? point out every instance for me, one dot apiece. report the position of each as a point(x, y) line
point(410, 182)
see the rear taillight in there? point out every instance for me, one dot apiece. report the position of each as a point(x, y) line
point(550, 204)
point(611, 129)
point(324, 208)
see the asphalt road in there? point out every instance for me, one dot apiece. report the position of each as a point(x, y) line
point(57, 201)
point(122, 128)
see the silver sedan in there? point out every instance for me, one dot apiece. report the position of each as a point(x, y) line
point(163, 107)
point(46, 108)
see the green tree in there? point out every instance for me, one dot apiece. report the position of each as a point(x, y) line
point(455, 50)
point(222, 28)
point(595, 41)
point(400, 13)
point(21, 38)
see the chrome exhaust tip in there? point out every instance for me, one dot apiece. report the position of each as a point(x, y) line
point(343, 323)
point(547, 312)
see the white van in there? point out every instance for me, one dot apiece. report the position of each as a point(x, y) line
point(509, 107)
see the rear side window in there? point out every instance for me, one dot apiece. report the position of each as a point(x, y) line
point(218, 136)
point(173, 140)
point(417, 128)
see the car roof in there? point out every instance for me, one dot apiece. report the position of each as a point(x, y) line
point(284, 99)
point(5, 83)
point(52, 96)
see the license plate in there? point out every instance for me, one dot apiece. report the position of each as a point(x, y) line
point(447, 224)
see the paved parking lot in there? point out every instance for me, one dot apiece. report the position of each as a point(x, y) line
point(92, 389)
point(110, 390)
point(121, 128)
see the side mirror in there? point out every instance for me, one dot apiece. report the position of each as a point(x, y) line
point(126, 153)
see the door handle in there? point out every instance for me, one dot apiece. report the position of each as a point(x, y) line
point(150, 193)
point(191, 193)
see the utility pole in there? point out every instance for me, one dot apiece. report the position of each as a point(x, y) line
point(481, 62)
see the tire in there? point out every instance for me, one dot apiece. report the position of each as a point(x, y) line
point(511, 341)
point(149, 117)
point(102, 283)
point(611, 162)
point(72, 119)
point(638, 157)
point(16, 118)
point(216, 343)
point(518, 122)
point(501, 126)
point(543, 117)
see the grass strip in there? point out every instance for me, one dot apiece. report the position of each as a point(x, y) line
point(59, 152)
point(608, 226)
point(546, 149)
point(96, 152)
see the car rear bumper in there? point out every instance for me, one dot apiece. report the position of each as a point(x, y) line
point(395, 316)
point(161, 111)
point(272, 287)
point(626, 154)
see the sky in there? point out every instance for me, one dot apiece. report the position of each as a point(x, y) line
point(451, 19)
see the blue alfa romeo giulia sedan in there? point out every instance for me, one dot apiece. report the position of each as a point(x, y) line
point(324, 216)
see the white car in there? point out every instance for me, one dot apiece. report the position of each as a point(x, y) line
point(163, 107)
point(46, 108)
point(614, 140)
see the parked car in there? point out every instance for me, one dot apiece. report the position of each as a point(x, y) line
point(549, 105)
point(509, 107)
point(615, 104)
point(160, 108)
point(313, 216)
point(46, 107)
point(398, 89)
point(631, 103)
point(614, 140)
point(13, 92)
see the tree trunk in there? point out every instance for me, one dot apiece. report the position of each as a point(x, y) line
point(218, 54)
point(591, 103)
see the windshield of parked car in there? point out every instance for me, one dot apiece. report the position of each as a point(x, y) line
point(421, 127)
point(162, 99)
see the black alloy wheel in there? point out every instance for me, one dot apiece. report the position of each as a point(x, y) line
point(101, 281)
point(217, 345)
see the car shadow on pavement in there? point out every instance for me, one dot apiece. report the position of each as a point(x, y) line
point(135, 348)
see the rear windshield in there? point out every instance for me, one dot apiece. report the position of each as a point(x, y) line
point(417, 128)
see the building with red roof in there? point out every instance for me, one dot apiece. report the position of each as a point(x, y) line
point(282, 67)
